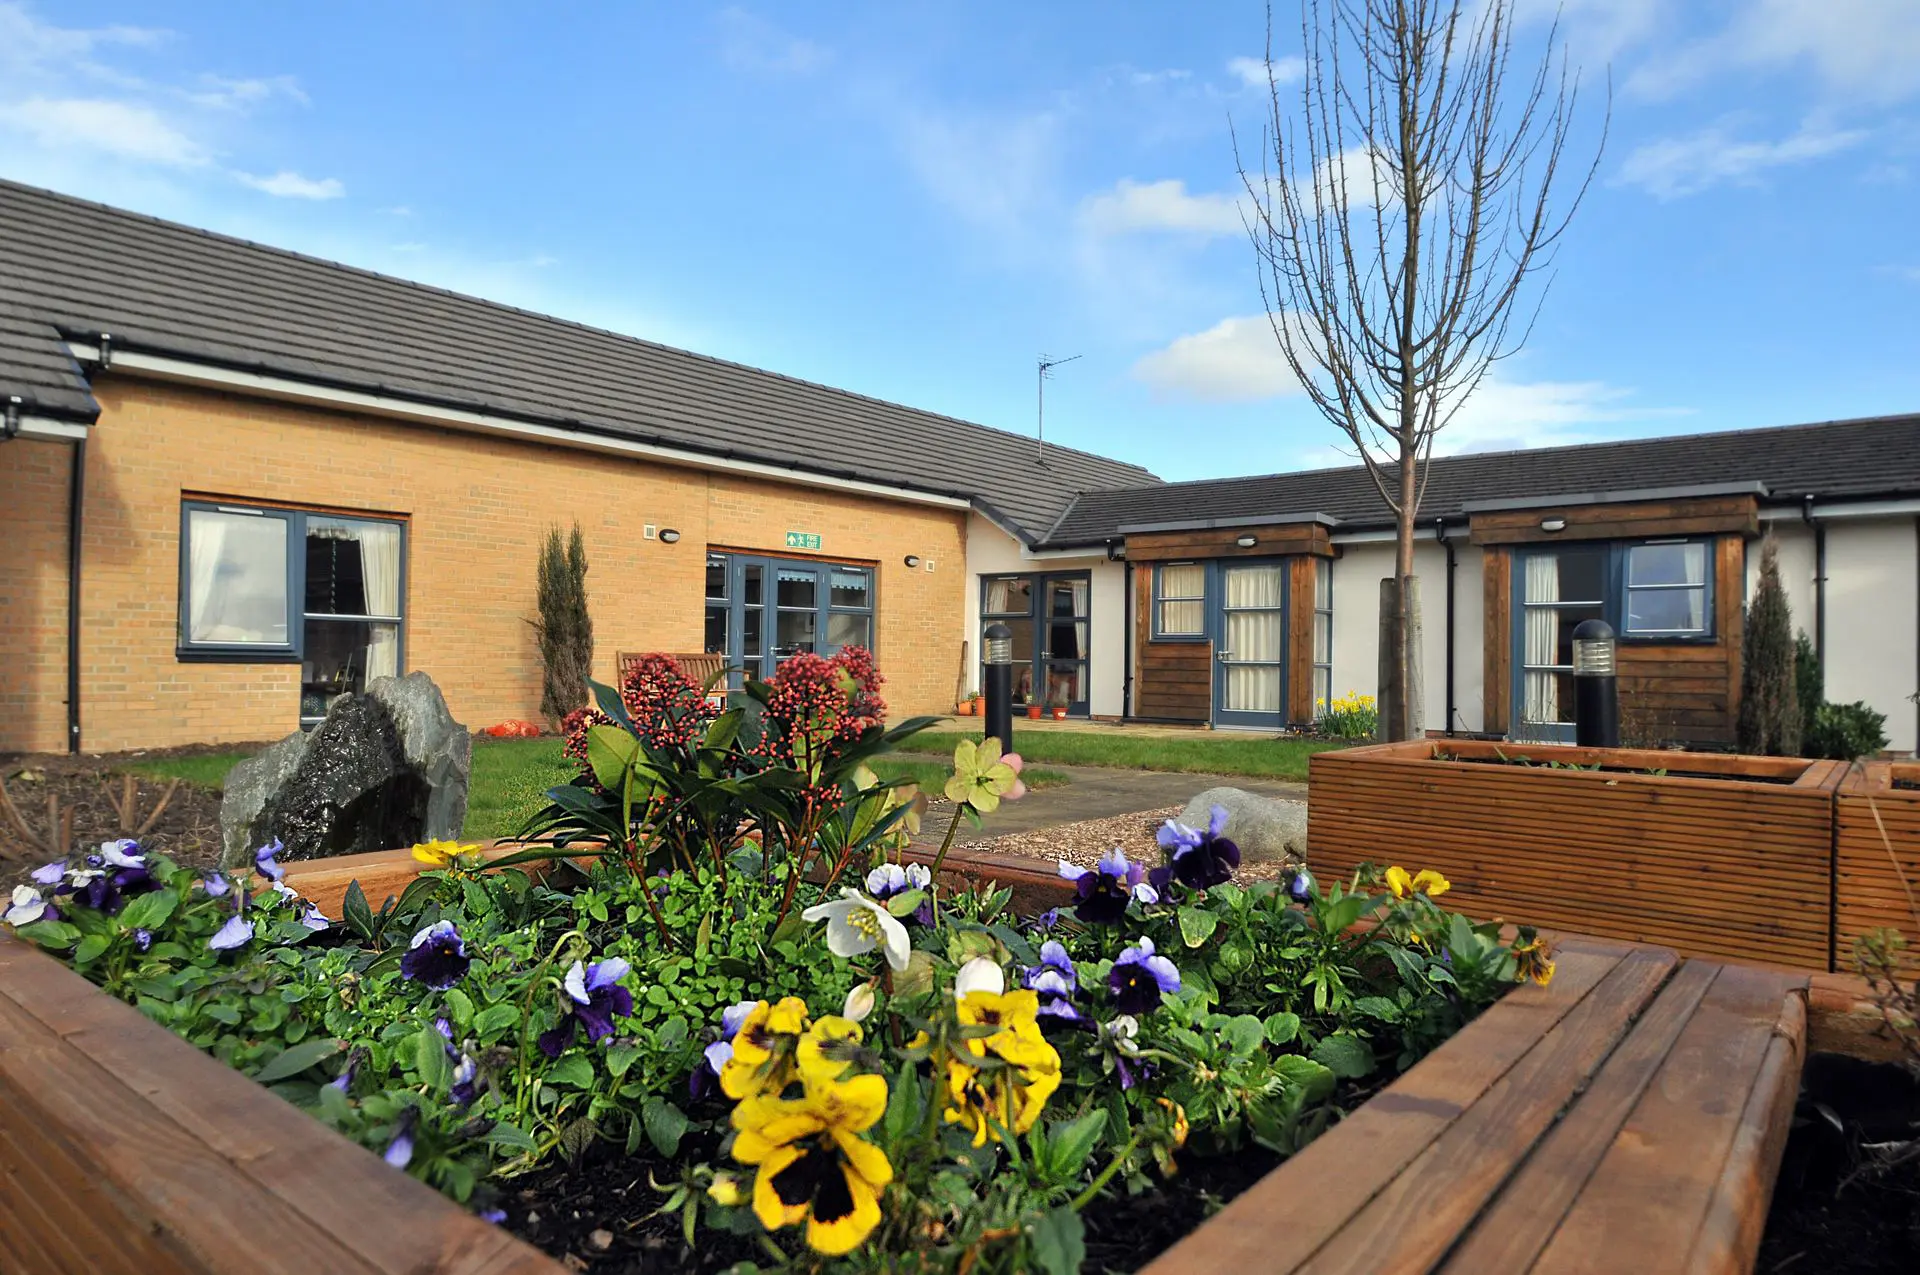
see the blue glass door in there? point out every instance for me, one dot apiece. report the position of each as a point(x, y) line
point(762, 612)
point(1249, 626)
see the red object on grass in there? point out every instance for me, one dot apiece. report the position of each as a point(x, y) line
point(514, 729)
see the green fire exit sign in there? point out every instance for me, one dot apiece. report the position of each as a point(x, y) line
point(803, 540)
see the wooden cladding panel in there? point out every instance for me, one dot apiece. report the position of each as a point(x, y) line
point(1725, 867)
point(1698, 516)
point(1497, 642)
point(1300, 574)
point(1173, 680)
point(1870, 893)
point(1218, 542)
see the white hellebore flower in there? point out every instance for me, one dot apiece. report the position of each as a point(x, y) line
point(27, 907)
point(857, 924)
point(859, 1003)
point(979, 975)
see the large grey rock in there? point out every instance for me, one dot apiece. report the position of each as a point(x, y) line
point(1266, 829)
point(387, 768)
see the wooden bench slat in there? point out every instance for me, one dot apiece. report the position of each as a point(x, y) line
point(1509, 1235)
point(393, 1223)
point(1648, 1198)
point(167, 1173)
point(1273, 1227)
point(1415, 1220)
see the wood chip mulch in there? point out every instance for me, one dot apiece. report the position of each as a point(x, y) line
point(87, 791)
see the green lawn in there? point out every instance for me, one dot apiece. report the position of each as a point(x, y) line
point(1217, 754)
point(511, 777)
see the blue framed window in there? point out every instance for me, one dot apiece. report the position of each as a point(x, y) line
point(1180, 602)
point(762, 611)
point(1667, 590)
point(1322, 635)
point(267, 585)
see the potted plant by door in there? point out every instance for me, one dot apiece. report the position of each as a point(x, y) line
point(1033, 708)
point(1060, 704)
point(965, 708)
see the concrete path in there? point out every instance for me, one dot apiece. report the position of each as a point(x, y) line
point(1101, 792)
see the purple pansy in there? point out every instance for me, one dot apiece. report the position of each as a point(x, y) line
point(313, 918)
point(215, 884)
point(399, 1152)
point(1201, 859)
point(594, 999)
point(720, 1052)
point(1055, 981)
point(142, 940)
point(1300, 889)
point(263, 861)
point(28, 906)
point(1105, 891)
point(49, 873)
point(237, 932)
point(464, 1090)
point(890, 879)
point(1140, 979)
point(104, 885)
point(437, 956)
point(495, 1216)
point(1121, 1041)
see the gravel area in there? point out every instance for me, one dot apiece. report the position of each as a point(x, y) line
point(1084, 843)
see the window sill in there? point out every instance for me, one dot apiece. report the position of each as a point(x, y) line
point(1188, 640)
point(1677, 639)
point(228, 655)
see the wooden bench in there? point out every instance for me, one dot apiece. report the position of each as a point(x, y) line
point(702, 667)
point(1629, 1118)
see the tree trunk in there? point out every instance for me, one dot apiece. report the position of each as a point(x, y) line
point(1402, 688)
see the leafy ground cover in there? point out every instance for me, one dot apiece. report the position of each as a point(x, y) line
point(752, 1032)
point(1211, 754)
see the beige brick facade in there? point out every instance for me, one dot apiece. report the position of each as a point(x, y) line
point(476, 510)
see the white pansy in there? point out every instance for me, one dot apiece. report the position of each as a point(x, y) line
point(856, 924)
point(122, 853)
point(886, 879)
point(859, 1004)
point(27, 906)
point(979, 975)
point(919, 877)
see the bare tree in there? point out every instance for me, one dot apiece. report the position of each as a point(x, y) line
point(1399, 215)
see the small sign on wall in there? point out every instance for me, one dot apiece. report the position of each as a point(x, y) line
point(803, 540)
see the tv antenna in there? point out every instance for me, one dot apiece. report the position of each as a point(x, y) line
point(1046, 370)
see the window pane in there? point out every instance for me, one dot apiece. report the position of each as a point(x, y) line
point(717, 578)
point(1183, 580)
point(353, 567)
point(751, 632)
point(342, 656)
point(1666, 610)
point(1322, 690)
point(844, 629)
point(1667, 564)
point(1182, 619)
point(795, 632)
point(1569, 575)
point(1066, 685)
point(752, 585)
point(1010, 597)
point(1323, 638)
point(1323, 584)
point(236, 578)
point(798, 588)
point(716, 631)
point(1022, 631)
point(851, 589)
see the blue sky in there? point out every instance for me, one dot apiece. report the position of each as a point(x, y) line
point(915, 200)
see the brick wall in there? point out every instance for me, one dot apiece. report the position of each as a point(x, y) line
point(34, 478)
point(477, 509)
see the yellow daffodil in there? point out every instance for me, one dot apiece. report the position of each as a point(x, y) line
point(1530, 960)
point(990, 1100)
point(442, 854)
point(813, 1165)
point(764, 1048)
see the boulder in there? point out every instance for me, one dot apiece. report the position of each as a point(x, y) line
point(387, 768)
point(1267, 829)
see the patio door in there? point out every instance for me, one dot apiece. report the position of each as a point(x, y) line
point(1250, 645)
point(1049, 618)
point(1554, 590)
point(762, 612)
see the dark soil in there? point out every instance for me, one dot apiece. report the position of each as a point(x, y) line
point(1833, 1213)
point(188, 829)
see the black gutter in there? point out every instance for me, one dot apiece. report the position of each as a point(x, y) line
point(76, 510)
point(1453, 564)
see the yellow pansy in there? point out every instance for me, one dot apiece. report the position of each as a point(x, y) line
point(828, 1048)
point(441, 854)
point(813, 1165)
point(1530, 960)
point(1009, 1097)
point(1399, 882)
point(764, 1048)
point(1431, 883)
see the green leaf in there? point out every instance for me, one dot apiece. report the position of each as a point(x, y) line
point(149, 911)
point(511, 1136)
point(430, 1058)
point(90, 949)
point(494, 1019)
point(1243, 1033)
point(1378, 1007)
point(620, 1057)
point(575, 1071)
point(297, 1058)
point(666, 1125)
point(917, 978)
point(57, 936)
point(905, 903)
point(1197, 925)
point(1283, 1029)
point(355, 912)
point(671, 1035)
point(703, 937)
point(612, 754)
point(1346, 1056)
point(1072, 1142)
point(1315, 1081)
point(1059, 1241)
point(1337, 918)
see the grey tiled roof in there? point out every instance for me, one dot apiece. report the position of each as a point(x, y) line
point(1877, 456)
point(169, 289)
point(36, 368)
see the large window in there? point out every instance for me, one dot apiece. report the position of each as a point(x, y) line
point(761, 611)
point(1180, 600)
point(244, 569)
point(1322, 635)
point(1666, 589)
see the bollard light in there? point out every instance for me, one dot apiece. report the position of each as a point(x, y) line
point(1596, 694)
point(998, 646)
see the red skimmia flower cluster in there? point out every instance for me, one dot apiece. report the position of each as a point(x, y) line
point(667, 706)
point(817, 702)
point(574, 727)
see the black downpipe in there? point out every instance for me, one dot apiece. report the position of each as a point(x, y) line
point(1126, 657)
point(1440, 534)
point(1819, 577)
point(76, 521)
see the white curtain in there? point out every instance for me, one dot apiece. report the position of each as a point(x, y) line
point(206, 539)
point(1183, 580)
point(1079, 598)
point(1542, 689)
point(380, 572)
point(1254, 630)
point(1000, 596)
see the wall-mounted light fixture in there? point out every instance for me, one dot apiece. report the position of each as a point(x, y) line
point(669, 535)
point(1247, 541)
point(912, 561)
point(1553, 524)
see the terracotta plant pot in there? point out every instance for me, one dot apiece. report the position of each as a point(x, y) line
point(1033, 712)
point(965, 709)
point(1059, 714)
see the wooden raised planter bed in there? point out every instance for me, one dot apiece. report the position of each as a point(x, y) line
point(1721, 856)
point(1876, 826)
point(1637, 1086)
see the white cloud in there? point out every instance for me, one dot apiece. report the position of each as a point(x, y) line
point(224, 94)
point(997, 172)
point(124, 129)
point(1861, 50)
point(25, 41)
point(1161, 205)
point(1677, 166)
point(749, 42)
point(291, 185)
point(1237, 360)
point(1252, 72)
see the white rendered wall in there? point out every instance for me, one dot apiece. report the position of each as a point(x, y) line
point(1357, 574)
point(992, 552)
point(1795, 540)
point(1873, 619)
